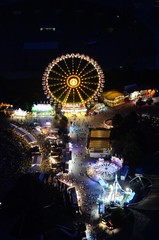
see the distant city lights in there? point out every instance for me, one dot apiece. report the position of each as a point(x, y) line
point(47, 29)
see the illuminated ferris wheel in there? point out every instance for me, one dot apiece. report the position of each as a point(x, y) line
point(73, 79)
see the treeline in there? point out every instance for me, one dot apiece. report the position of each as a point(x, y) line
point(135, 138)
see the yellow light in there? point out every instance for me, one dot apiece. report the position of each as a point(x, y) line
point(73, 81)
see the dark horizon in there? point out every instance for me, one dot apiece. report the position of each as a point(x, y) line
point(123, 37)
point(28, 89)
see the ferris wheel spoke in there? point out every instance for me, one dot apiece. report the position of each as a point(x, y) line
point(62, 69)
point(90, 83)
point(92, 90)
point(60, 96)
point(67, 95)
point(56, 79)
point(73, 67)
point(57, 73)
point(84, 68)
point(84, 92)
point(59, 89)
point(69, 72)
point(90, 71)
point(82, 100)
point(74, 93)
point(78, 66)
point(56, 84)
point(91, 77)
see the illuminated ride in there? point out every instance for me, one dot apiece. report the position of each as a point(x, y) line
point(114, 195)
point(104, 170)
point(73, 81)
point(106, 174)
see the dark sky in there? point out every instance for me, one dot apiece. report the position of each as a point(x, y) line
point(119, 35)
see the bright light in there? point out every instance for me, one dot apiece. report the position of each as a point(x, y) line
point(20, 113)
point(48, 123)
point(52, 160)
point(102, 225)
point(42, 108)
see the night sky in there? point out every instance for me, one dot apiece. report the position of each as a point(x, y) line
point(123, 37)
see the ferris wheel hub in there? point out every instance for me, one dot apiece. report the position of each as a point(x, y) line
point(73, 81)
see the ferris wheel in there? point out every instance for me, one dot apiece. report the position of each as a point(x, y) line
point(73, 79)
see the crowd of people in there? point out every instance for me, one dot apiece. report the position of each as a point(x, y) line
point(14, 154)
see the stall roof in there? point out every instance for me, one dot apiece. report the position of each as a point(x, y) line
point(112, 94)
point(37, 159)
point(29, 138)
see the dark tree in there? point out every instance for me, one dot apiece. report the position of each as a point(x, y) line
point(129, 122)
point(24, 202)
point(132, 154)
point(56, 120)
point(118, 217)
point(117, 119)
point(135, 138)
point(4, 122)
point(63, 125)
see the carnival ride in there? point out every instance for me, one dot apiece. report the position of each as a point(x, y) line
point(105, 170)
point(73, 80)
point(114, 195)
point(106, 174)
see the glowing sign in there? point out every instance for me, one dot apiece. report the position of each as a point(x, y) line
point(42, 108)
point(20, 113)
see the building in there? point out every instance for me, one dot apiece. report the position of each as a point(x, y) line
point(99, 144)
point(113, 98)
point(42, 110)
